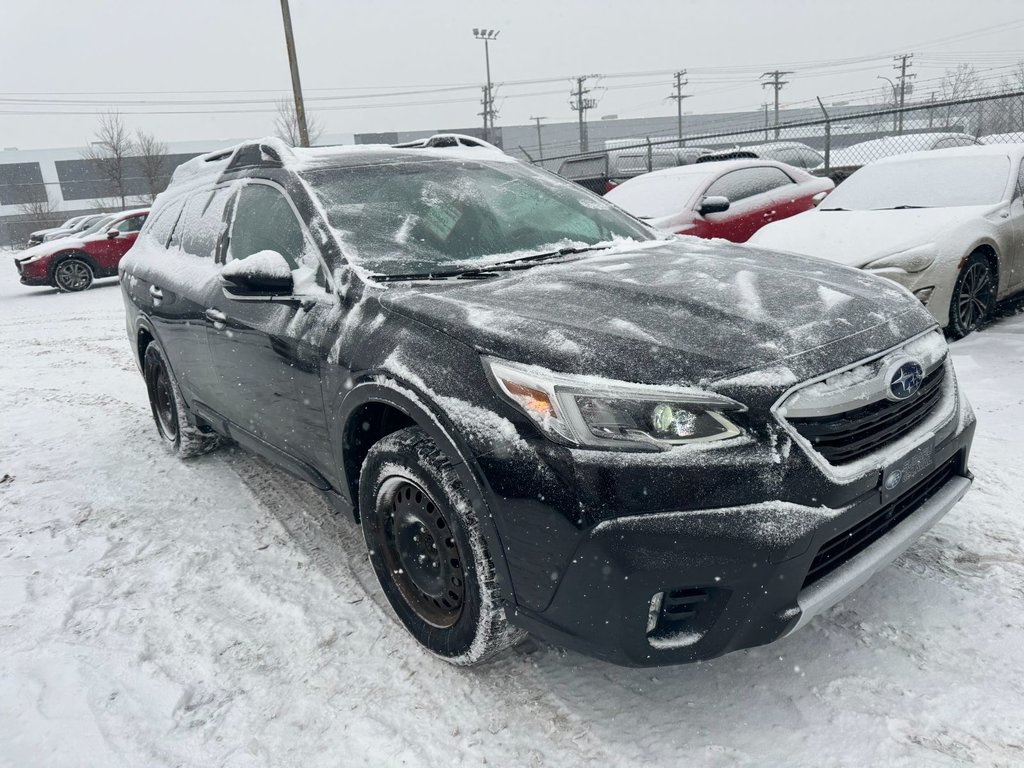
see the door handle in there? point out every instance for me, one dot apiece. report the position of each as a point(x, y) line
point(156, 293)
point(217, 317)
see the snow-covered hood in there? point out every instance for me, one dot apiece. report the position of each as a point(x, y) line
point(52, 246)
point(856, 238)
point(686, 311)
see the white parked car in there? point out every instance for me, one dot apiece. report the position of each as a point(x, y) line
point(947, 225)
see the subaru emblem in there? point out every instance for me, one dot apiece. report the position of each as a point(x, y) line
point(894, 479)
point(904, 379)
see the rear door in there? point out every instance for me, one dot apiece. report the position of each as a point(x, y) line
point(176, 293)
point(268, 354)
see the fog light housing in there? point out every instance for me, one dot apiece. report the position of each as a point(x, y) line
point(924, 294)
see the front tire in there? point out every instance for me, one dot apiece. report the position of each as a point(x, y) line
point(72, 275)
point(173, 421)
point(974, 296)
point(427, 551)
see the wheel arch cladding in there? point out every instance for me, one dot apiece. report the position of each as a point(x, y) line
point(398, 405)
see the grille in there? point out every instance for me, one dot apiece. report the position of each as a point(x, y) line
point(847, 436)
point(849, 543)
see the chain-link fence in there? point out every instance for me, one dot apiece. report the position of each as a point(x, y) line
point(834, 145)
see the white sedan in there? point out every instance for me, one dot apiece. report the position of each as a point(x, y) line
point(948, 225)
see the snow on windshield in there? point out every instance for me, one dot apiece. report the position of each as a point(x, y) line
point(924, 182)
point(657, 195)
point(426, 216)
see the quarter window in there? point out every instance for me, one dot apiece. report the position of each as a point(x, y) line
point(160, 223)
point(264, 221)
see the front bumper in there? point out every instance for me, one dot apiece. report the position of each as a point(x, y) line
point(32, 273)
point(732, 578)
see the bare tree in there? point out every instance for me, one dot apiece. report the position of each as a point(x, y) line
point(40, 212)
point(110, 149)
point(286, 125)
point(153, 164)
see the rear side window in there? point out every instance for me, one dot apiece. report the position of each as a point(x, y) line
point(747, 182)
point(201, 223)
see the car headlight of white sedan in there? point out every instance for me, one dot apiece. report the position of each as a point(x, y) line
point(911, 260)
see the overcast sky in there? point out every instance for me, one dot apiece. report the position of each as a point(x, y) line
point(222, 53)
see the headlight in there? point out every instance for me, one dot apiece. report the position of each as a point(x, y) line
point(915, 259)
point(599, 413)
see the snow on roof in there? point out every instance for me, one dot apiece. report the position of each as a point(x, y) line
point(1013, 151)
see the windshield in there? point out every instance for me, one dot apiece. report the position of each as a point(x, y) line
point(98, 225)
point(654, 196)
point(933, 182)
point(421, 217)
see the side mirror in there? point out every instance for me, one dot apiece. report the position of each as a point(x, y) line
point(816, 200)
point(266, 274)
point(713, 204)
point(113, 233)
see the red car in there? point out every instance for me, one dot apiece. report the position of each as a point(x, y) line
point(728, 199)
point(72, 263)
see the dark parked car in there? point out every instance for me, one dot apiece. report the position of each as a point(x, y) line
point(72, 263)
point(543, 417)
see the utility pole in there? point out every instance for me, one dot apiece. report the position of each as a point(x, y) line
point(540, 140)
point(765, 106)
point(678, 96)
point(487, 35)
point(580, 104)
point(293, 63)
point(902, 62)
point(775, 81)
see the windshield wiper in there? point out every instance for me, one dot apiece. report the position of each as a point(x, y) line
point(833, 209)
point(568, 251)
point(491, 270)
point(902, 207)
point(446, 275)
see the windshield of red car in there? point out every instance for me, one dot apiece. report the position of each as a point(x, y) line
point(654, 195)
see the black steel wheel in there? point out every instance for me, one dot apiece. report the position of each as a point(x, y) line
point(428, 552)
point(974, 296)
point(177, 429)
point(72, 275)
point(417, 545)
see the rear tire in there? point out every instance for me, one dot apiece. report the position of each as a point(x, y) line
point(72, 275)
point(426, 548)
point(173, 420)
point(974, 296)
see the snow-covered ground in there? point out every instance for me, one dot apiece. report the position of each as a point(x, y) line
point(214, 612)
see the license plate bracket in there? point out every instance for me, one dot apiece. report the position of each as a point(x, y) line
point(905, 472)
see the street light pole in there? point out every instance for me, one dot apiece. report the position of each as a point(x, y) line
point(293, 63)
point(487, 35)
point(895, 102)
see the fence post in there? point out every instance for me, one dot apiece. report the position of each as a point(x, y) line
point(650, 159)
point(828, 134)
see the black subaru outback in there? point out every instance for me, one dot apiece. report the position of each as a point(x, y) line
point(544, 416)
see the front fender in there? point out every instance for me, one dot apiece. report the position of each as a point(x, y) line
point(390, 390)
